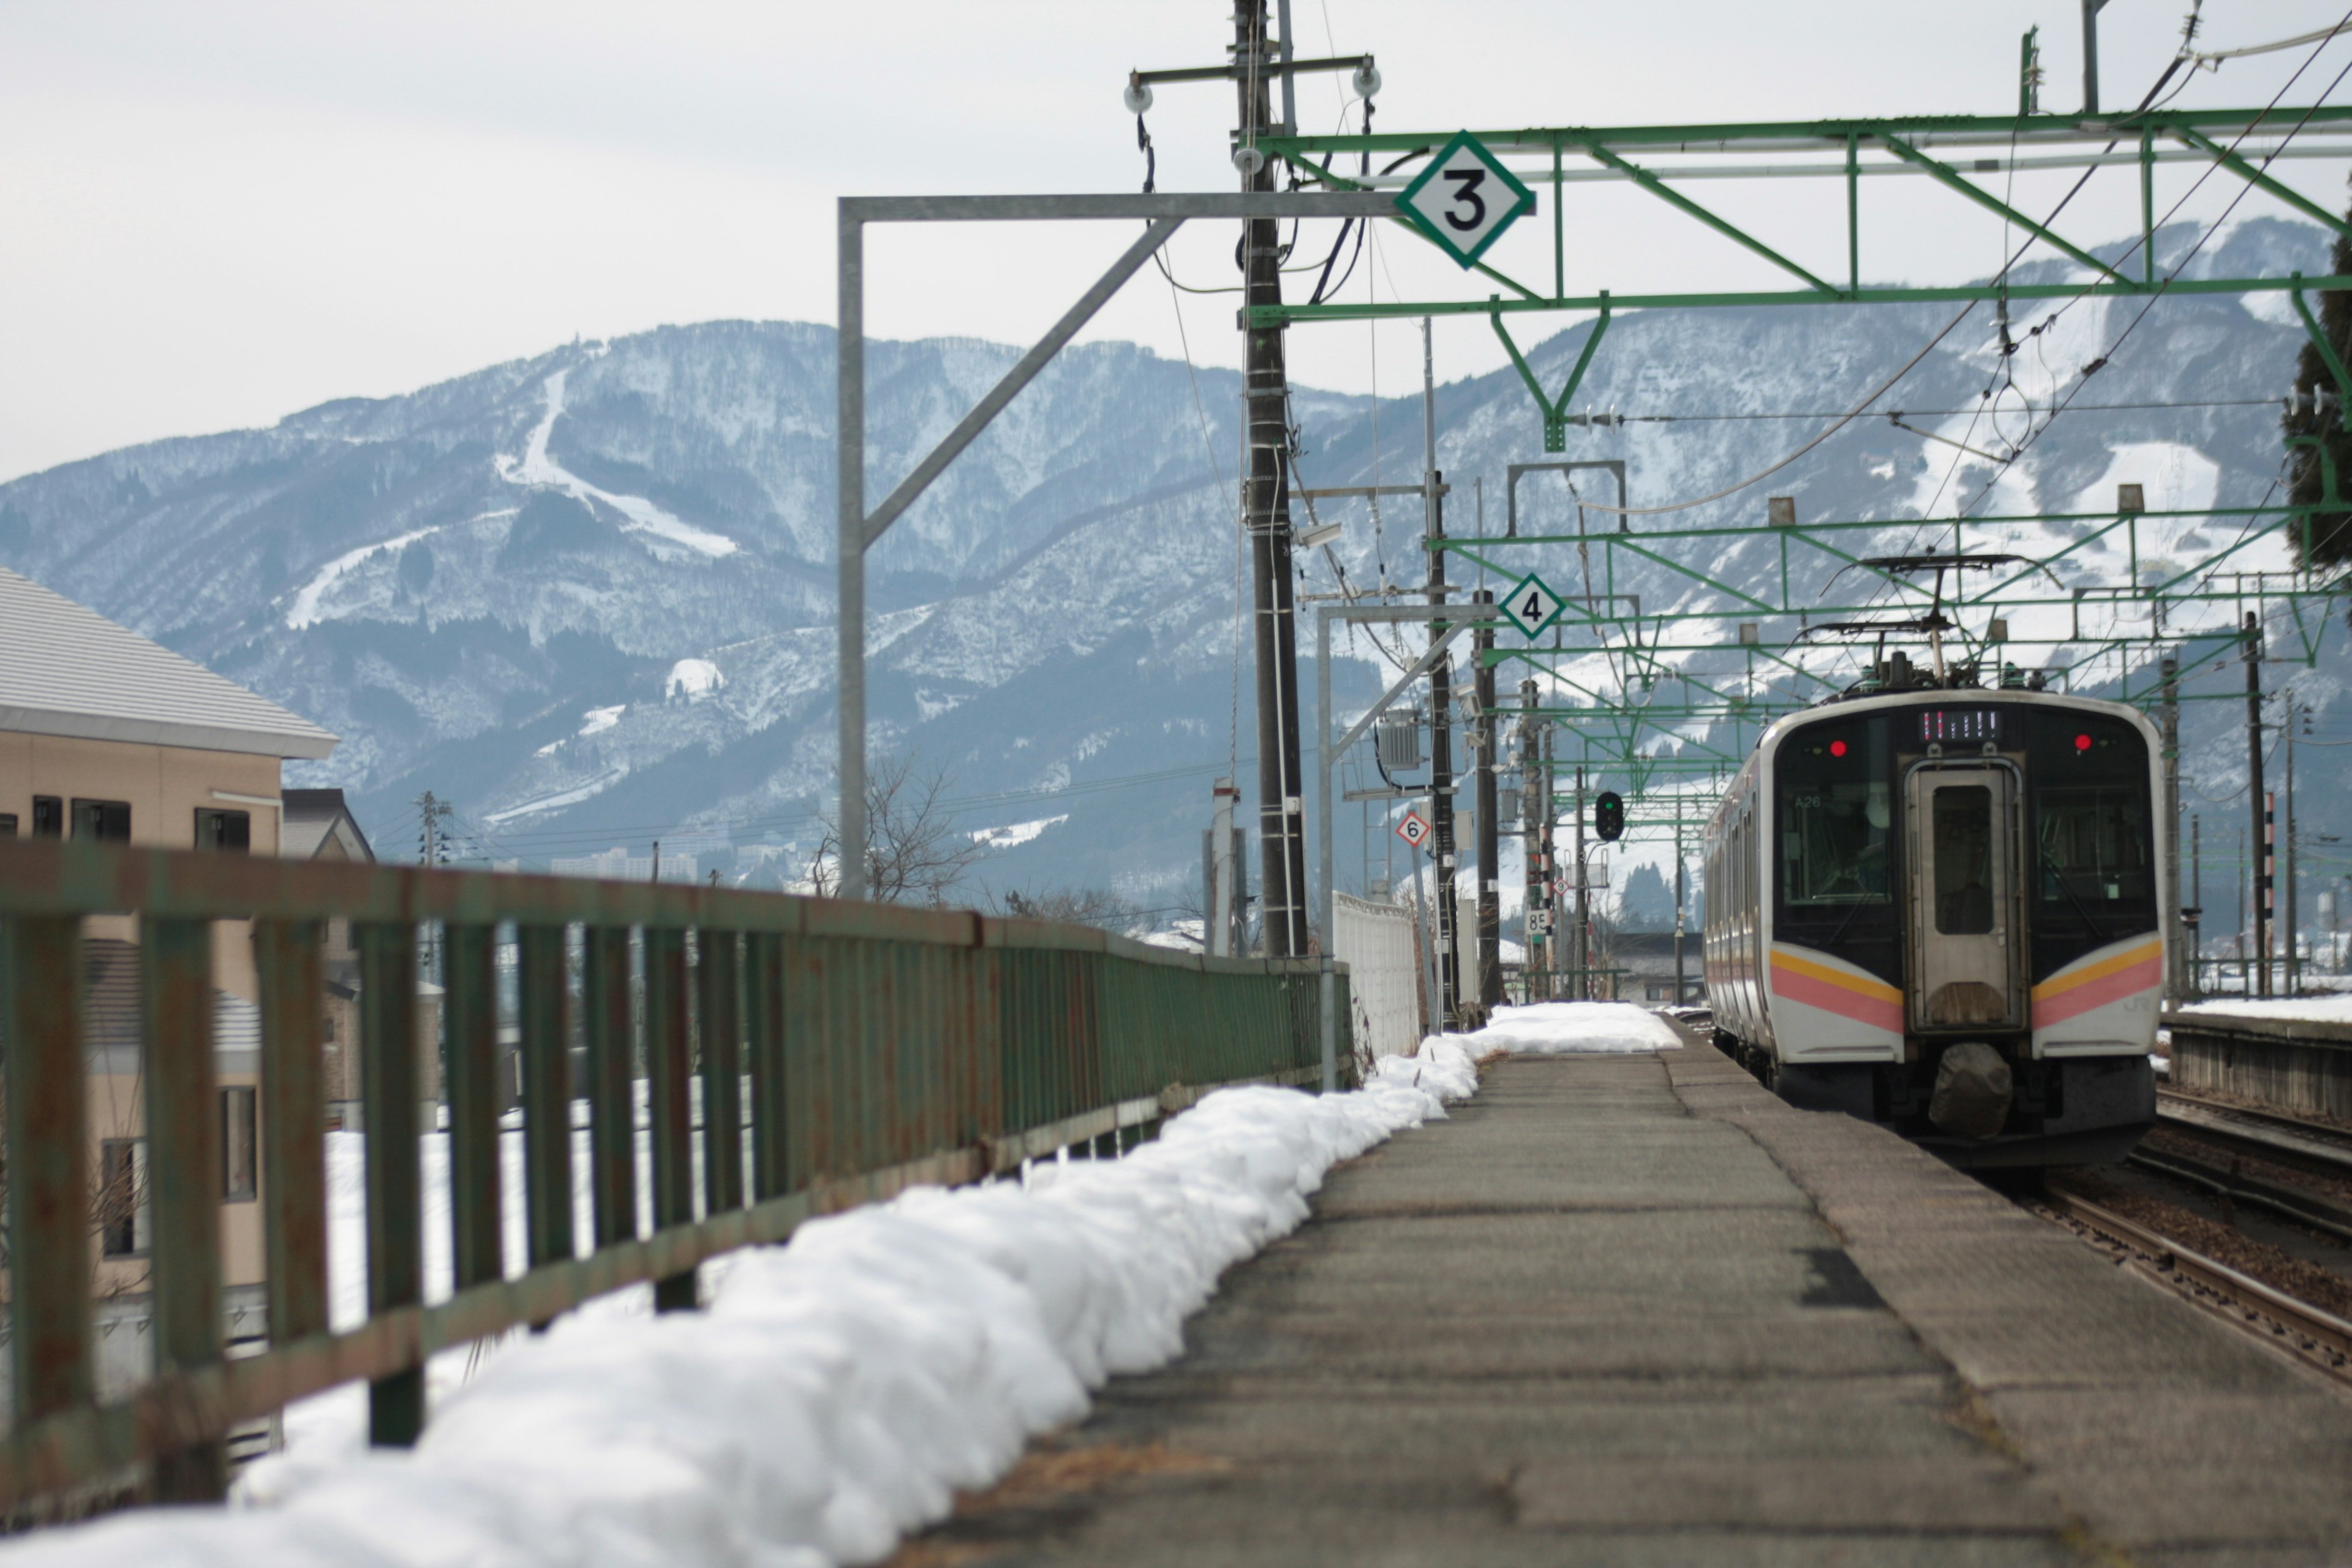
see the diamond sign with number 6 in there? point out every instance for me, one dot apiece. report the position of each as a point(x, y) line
point(1465, 199)
point(1530, 606)
point(1414, 831)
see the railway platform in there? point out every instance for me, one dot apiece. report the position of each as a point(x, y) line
point(1636, 1309)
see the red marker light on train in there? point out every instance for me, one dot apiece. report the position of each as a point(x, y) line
point(2082, 743)
point(1837, 748)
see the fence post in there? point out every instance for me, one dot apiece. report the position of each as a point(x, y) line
point(287, 959)
point(48, 1164)
point(763, 997)
point(667, 1072)
point(183, 1180)
point(612, 1083)
point(722, 1071)
point(546, 1030)
point(395, 1226)
point(470, 1009)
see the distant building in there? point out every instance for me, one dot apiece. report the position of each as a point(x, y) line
point(1648, 958)
point(105, 735)
point(620, 866)
point(318, 826)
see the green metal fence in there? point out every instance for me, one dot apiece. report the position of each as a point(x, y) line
point(881, 1047)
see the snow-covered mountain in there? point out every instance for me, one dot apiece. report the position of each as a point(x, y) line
point(588, 596)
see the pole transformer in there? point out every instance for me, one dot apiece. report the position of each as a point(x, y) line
point(1281, 809)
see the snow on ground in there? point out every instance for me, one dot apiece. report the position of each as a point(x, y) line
point(838, 1391)
point(537, 469)
point(305, 612)
point(1018, 833)
point(694, 678)
point(2335, 1009)
point(1575, 1028)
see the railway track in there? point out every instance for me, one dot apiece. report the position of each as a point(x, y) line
point(2316, 1337)
point(2211, 1144)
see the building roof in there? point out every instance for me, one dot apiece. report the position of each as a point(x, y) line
point(65, 670)
point(310, 817)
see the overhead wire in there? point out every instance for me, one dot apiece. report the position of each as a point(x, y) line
point(2173, 276)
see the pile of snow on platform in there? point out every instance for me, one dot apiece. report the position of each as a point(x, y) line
point(1574, 1029)
point(838, 1390)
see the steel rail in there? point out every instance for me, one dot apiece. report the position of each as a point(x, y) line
point(2315, 1323)
point(2334, 1147)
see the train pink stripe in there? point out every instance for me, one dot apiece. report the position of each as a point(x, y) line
point(2142, 976)
point(1877, 1012)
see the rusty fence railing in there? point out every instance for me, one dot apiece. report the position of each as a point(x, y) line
point(865, 1049)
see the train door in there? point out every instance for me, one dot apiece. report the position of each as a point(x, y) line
point(1965, 941)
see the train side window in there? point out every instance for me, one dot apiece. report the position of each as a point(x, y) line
point(7, 824)
point(48, 816)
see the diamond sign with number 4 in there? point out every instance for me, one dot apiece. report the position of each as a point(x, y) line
point(1530, 606)
point(1465, 199)
point(1413, 829)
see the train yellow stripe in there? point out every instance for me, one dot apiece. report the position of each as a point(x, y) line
point(2059, 984)
point(1861, 986)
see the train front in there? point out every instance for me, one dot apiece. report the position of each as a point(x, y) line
point(1964, 941)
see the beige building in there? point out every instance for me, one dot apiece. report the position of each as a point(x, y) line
point(106, 735)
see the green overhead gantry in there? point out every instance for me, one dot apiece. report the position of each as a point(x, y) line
point(1942, 149)
point(1658, 702)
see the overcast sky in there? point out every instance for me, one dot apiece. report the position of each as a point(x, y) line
point(213, 215)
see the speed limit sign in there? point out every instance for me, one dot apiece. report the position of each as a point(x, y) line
point(1414, 831)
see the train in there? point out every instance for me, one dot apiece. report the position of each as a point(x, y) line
point(1939, 908)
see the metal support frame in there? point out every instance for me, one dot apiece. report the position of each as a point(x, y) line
point(1837, 149)
point(860, 531)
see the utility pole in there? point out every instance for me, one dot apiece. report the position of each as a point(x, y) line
point(2257, 802)
point(2293, 960)
point(1281, 812)
point(2170, 713)
point(431, 849)
point(2091, 9)
point(1490, 869)
point(1441, 696)
point(2245, 953)
point(1580, 958)
point(1532, 837)
point(1681, 894)
point(2196, 916)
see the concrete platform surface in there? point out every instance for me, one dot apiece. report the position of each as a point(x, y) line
point(1636, 1311)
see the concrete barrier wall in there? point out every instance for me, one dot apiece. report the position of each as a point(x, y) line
point(2297, 1065)
point(1375, 941)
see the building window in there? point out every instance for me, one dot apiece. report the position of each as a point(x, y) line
point(122, 1210)
point(228, 831)
point(238, 1183)
point(48, 816)
point(7, 824)
point(108, 820)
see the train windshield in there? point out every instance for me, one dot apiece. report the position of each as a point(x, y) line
point(2094, 845)
point(1835, 817)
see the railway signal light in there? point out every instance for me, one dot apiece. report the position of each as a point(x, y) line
point(1608, 816)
